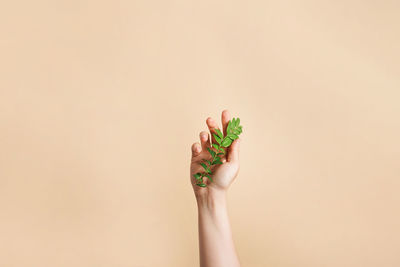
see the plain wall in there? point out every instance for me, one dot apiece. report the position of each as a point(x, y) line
point(100, 102)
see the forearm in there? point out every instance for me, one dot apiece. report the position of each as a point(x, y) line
point(216, 243)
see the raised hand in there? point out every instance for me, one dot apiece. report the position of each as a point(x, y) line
point(223, 173)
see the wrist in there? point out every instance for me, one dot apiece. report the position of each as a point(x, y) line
point(211, 199)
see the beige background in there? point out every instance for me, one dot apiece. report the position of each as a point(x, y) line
point(101, 100)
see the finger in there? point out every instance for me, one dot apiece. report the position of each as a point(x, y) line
point(212, 125)
point(233, 152)
point(225, 117)
point(204, 139)
point(196, 149)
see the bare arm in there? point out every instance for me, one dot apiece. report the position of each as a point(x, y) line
point(215, 236)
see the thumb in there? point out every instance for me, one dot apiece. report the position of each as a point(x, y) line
point(233, 153)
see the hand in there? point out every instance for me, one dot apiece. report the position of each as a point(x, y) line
point(224, 174)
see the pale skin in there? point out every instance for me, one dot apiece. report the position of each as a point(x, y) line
point(215, 236)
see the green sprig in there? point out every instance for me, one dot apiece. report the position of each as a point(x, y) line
point(233, 130)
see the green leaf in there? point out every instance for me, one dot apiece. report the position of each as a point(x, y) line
point(236, 131)
point(201, 185)
point(233, 136)
point(209, 177)
point(220, 154)
point(228, 129)
point(216, 137)
point(206, 168)
point(232, 123)
point(216, 146)
point(226, 142)
point(221, 149)
point(237, 122)
point(212, 152)
point(219, 133)
point(216, 160)
point(197, 176)
point(209, 162)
